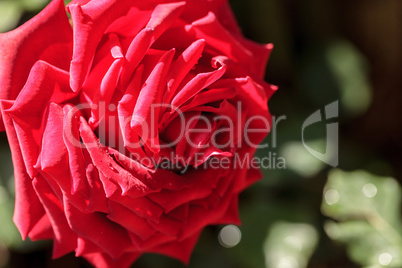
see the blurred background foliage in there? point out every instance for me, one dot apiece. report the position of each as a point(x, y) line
point(308, 214)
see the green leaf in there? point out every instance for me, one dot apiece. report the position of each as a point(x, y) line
point(290, 245)
point(10, 14)
point(367, 208)
point(349, 68)
point(300, 160)
point(9, 234)
point(34, 5)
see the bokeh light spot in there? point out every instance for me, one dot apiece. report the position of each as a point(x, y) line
point(369, 190)
point(331, 196)
point(294, 242)
point(385, 259)
point(288, 262)
point(229, 236)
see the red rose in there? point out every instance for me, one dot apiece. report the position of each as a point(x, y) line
point(133, 129)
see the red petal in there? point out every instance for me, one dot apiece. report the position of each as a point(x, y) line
point(65, 240)
point(45, 84)
point(220, 39)
point(142, 206)
point(100, 260)
point(202, 184)
point(108, 167)
point(28, 209)
point(195, 85)
point(162, 17)
point(107, 235)
point(130, 221)
point(181, 67)
point(145, 115)
point(180, 250)
point(97, 200)
point(48, 37)
point(90, 22)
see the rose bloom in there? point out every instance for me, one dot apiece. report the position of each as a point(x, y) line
point(113, 117)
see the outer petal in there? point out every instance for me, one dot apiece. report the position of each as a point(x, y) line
point(107, 235)
point(45, 84)
point(42, 230)
point(65, 240)
point(220, 39)
point(179, 250)
point(48, 37)
point(28, 209)
point(100, 260)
